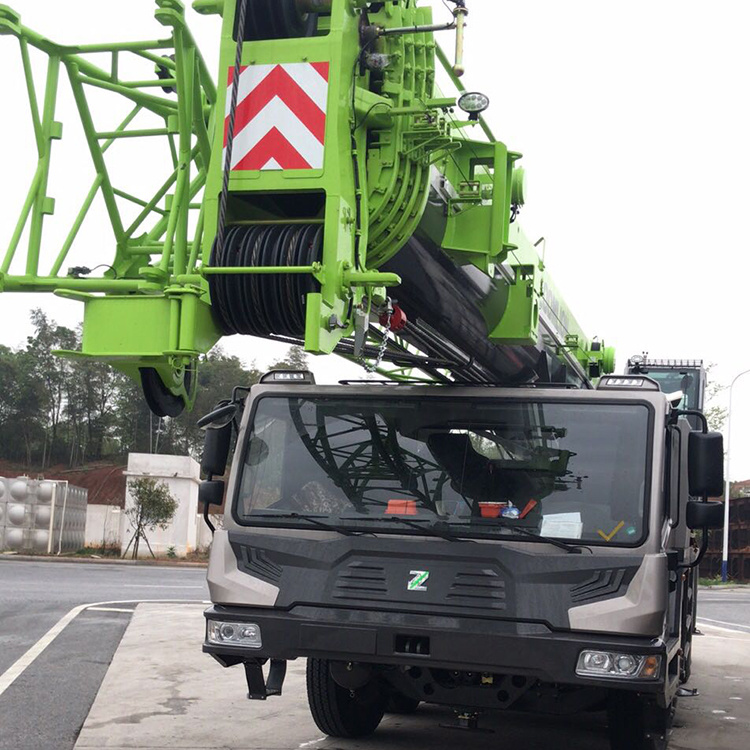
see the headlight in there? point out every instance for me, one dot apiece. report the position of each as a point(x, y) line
point(245, 634)
point(618, 666)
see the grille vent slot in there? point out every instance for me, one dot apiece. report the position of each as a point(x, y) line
point(257, 563)
point(602, 583)
point(361, 581)
point(479, 588)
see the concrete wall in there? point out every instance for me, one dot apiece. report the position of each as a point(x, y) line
point(103, 526)
point(181, 474)
point(186, 533)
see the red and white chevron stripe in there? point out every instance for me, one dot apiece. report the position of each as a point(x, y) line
point(281, 116)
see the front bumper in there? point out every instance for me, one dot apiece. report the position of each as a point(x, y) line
point(452, 643)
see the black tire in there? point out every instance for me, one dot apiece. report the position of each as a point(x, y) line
point(339, 712)
point(635, 724)
point(398, 703)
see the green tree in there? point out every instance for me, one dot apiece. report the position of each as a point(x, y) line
point(153, 508)
point(218, 374)
point(295, 359)
point(21, 406)
point(133, 425)
point(53, 373)
point(716, 414)
point(78, 410)
point(91, 405)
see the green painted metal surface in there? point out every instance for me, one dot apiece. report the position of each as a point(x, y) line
point(388, 131)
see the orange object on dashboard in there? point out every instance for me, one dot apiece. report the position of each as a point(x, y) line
point(529, 507)
point(491, 510)
point(401, 508)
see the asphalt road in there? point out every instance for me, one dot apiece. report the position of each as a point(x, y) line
point(46, 705)
point(726, 608)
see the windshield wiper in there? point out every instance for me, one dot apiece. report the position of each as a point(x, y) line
point(431, 530)
point(314, 520)
point(523, 531)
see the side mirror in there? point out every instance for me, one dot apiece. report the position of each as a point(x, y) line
point(219, 417)
point(216, 450)
point(211, 493)
point(706, 464)
point(702, 515)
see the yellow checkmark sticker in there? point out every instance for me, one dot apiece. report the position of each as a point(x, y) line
point(610, 537)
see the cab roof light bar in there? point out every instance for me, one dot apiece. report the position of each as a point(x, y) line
point(288, 377)
point(630, 383)
point(641, 361)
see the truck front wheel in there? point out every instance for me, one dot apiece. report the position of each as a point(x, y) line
point(339, 712)
point(635, 724)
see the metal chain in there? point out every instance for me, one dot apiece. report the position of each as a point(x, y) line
point(373, 366)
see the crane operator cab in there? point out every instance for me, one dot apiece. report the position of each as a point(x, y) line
point(688, 376)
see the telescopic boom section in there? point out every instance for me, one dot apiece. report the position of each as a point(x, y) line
point(326, 177)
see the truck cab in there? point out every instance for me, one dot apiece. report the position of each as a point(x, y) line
point(483, 548)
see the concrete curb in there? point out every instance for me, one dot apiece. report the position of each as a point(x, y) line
point(730, 587)
point(103, 561)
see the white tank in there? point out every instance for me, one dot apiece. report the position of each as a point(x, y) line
point(28, 515)
point(19, 489)
point(18, 515)
point(45, 491)
point(15, 539)
point(40, 540)
point(42, 516)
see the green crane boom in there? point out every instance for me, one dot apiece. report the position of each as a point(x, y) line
point(324, 176)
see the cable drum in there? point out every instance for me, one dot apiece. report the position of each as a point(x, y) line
point(255, 304)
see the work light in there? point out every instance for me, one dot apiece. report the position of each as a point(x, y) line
point(474, 103)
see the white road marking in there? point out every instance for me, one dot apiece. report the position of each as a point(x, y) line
point(312, 742)
point(735, 698)
point(733, 627)
point(157, 586)
point(16, 669)
point(108, 609)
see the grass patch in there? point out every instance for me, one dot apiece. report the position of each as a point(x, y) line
point(715, 581)
point(98, 552)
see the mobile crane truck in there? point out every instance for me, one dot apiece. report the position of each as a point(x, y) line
point(499, 524)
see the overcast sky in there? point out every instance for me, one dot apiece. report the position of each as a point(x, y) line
point(633, 121)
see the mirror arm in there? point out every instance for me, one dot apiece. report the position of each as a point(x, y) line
point(691, 413)
point(206, 519)
point(701, 553)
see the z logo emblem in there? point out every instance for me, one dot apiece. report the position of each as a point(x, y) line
point(418, 581)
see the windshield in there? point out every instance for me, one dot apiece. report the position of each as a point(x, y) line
point(474, 467)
